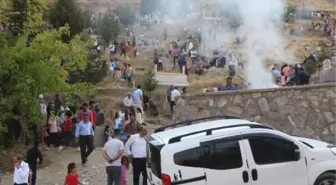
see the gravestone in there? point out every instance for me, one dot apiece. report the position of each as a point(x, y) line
point(326, 65)
point(327, 74)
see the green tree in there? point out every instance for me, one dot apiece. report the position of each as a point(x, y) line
point(108, 27)
point(67, 12)
point(35, 22)
point(150, 81)
point(17, 16)
point(24, 74)
point(69, 56)
point(125, 14)
point(289, 15)
point(4, 9)
point(87, 19)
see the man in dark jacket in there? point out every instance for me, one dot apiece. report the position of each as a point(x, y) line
point(182, 61)
point(34, 157)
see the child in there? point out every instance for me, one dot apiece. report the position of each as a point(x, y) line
point(45, 136)
point(139, 116)
point(118, 73)
point(72, 177)
point(124, 168)
point(160, 65)
point(128, 77)
point(67, 128)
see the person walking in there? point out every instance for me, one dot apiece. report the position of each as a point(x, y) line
point(137, 98)
point(80, 115)
point(34, 157)
point(136, 149)
point(21, 171)
point(113, 150)
point(84, 132)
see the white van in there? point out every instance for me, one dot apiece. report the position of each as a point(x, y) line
point(228, 150)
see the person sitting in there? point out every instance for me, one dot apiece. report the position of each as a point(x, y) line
point(229, 86)
point(128, 101)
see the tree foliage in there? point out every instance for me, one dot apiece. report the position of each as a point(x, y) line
point(125, 14)
point(24, 74)
point(67, 12)
point(150, 81)
point(108, 27)
point(4, 9)
point(17, 16)
point(289, 15)
point(35, 22)
point(28, 71)
point(87, 19)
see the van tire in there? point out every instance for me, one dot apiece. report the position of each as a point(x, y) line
point(325, 176)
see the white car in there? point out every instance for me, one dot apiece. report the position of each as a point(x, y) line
point(228, 150)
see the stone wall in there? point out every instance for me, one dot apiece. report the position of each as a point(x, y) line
point(307, 111)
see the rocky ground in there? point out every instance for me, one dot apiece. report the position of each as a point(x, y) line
point(54, 174)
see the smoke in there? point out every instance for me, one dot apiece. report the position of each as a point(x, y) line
point(263, 39)
point(255, 23)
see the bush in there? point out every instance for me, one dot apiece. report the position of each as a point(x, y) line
point(150, 82)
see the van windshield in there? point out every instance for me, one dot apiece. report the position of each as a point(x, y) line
point(154, 161)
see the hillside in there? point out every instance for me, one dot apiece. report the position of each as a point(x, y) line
point(322, 5)
point(103, 5)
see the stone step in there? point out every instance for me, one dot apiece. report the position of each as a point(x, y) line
point(172, 79)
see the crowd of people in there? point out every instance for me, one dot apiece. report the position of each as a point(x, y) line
point(120, 73)
point(124, 145)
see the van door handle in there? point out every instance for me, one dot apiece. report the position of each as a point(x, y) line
point(254, 175)
point(245, 177)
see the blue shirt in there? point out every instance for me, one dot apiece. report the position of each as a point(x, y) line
point(137, 94)
point(276, 74)
point(229, 88)
point(84, 129)
point(118, 123)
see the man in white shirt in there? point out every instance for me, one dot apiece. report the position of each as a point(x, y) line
point(193, 56)
point(136, 148)
point(21, 171)
point(174, 95)
point(113, 150)
point(138, 98)
point(128, 101)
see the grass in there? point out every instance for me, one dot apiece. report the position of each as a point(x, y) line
point(322, 5)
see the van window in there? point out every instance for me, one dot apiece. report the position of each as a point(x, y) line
point(189, 157)
point(224, 155)
point(267, 150)
point(155, 159)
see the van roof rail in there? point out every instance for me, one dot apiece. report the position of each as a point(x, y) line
point(210, 131)
point(194, 121)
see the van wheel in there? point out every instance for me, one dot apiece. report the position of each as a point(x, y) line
point(326, 179)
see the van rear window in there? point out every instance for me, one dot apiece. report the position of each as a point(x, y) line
point(154, 160)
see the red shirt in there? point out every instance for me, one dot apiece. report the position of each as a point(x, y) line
point(80, 116)
point(94, 117)
point(68, 124)
point(71, 179)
